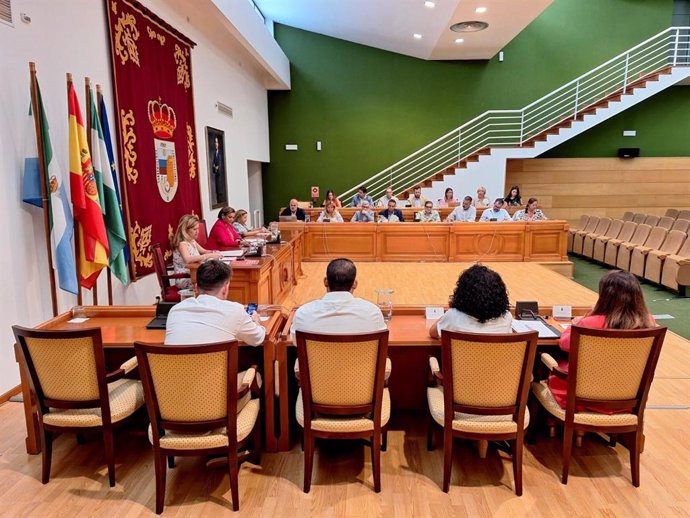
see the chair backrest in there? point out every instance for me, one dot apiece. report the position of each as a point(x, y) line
point(202, 237)
point(685, 249)
point(681, 224)
point(66, 368)
point(342, 374)
point(167, 290)
point(684, 214)
point(666, 222)
point(674, 240)
point(614, 229)
point(651, 220)
point(641, 234)
point(582, 223)
point(628, 216)
point(656, 238)
point(627, 231)
point(612, 367)
point(487, 373)
point(602, 226)
point(639, 217)
point(672, 213)
point(190, 387)
point(591, 224)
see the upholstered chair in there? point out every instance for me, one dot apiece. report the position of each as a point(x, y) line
point(591, 225)
point(638, 255)
point(581, 224)
point(611, 233)
point(638, 217)
point(655, 258)
point(666, 222)
point(73, 392)
point(342, 392)
point(624, 250)
point(675, 273)
point(197, 406)
point(684, 214)
point(169, 292)
point(480, 392)
point(579, 238)
point(681, 224)
point(671, 213)
point(610, 370)
point(601, 242)
point(628, 216)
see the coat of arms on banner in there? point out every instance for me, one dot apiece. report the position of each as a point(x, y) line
point(163, 120)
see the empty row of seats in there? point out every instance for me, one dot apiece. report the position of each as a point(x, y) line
point(651, 247)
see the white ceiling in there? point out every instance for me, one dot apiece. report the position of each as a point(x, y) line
point(390, 24)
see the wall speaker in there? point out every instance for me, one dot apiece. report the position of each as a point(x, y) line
point(628, 152)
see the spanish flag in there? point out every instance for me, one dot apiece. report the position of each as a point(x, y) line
point(92, 251)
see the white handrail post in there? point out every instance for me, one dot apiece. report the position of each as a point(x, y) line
point(459, 144)
point(577, 97)
point(625, 71)
point(675, 47)
point(522, 126)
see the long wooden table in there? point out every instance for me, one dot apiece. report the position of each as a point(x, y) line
point(408, 212)
point(121, 326)
point(540, 241)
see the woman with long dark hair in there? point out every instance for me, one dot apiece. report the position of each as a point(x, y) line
point(513, 198)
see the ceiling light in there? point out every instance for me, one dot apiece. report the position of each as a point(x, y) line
point(430, 5)
point(480, 10)
point(417, 36)
point(459, 40)
point(471, 26)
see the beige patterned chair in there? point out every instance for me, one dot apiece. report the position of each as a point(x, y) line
point(589, 227)
point(481, 392)
point(580, 226)
point(681, 224)
point(335, 402)
point(675, 273)
point(601, 242)
point(638, 255)
point(579, 238)
point(73, 392)
point(638, 218)
point(621, 252)
point(672, 213)
point(197, 406)
point(655, 258)
point(628, 216)
point(610, 369)
point(611, 233)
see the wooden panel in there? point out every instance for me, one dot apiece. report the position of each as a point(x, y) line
point(418, 242)
point(546, 241)
point(487, 242)
point(356, 241)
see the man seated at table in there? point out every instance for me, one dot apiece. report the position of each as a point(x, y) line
point(391, 214)
point(294, 210)
point(383, 202)
point(417, 201)
point(427, 215)
point(465, 212)
point(364, 214)
point(496, 213)
point(361, 196)
point(338, 311)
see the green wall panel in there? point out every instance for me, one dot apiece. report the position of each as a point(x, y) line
point(370, 108)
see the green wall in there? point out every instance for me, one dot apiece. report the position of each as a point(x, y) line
point(370, 108)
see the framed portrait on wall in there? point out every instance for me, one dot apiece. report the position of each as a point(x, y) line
point(217, 177)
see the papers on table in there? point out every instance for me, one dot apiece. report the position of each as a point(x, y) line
point(231, 253)
point(78, 320)
point(523, 326)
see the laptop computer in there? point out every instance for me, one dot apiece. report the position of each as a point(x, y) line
point(161, 318)
point(287, 218)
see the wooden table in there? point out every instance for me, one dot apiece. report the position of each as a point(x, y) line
point(120, 327)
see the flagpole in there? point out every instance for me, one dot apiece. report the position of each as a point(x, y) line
point(87, 88)
point(99, 95)
point(44, 187)
point(77, 224)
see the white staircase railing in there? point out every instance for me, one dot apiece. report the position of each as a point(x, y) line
point(503, 128)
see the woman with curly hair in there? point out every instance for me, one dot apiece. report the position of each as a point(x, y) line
point(479, 304)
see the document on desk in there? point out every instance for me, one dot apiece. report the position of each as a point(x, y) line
point(231, 253)
point(523, 326)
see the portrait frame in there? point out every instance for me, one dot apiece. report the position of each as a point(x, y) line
point(217, 171)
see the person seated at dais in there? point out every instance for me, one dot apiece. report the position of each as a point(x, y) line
point(243, 227)
point(416, 200)
point(383, 201)
point(448, 199)
point(428, 215)
point(330, 196)
point(186, 250)
point(496, 213)
point(330, 213)
point(465, 212)
point(361, 195)
point(482, 202)
point(391, 214)
point(479, 304)
point(364, 214)
point(513, 198)
point(223, 233)
point(531, 213)
point(294, 210)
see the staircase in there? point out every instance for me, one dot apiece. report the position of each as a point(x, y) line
point(475, 153)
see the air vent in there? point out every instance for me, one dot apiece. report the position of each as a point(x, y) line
point(6, 11)
point(224, 109)
point(472, 26)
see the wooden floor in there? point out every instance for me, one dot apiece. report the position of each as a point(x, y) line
point(599, 482)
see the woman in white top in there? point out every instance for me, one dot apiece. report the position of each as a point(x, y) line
point(482, 202)
point(186, 250)
point(330, 213)
point(531, 213)
point(479, 304)
point(243, 227)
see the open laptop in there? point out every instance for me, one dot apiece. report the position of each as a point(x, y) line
point(161, 318)
point(287, 218)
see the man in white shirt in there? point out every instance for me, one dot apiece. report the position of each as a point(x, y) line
point(383, 202)
point(338, 311)
point(417, 201)
point(496, 213)
point(465, 212)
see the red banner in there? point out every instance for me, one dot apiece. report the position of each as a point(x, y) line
point(152, 69)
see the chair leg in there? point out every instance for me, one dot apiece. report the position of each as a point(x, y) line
point(256, 441)
point(483, 446)
point(447, 457)
point(233, 469)
point(567, 451)
point(579, 434)
point(160, 469)
point(517, 463)
point(376, 461)
point(429, 430)
point(308, 459)
point(384, 440)
point(81, 439)
point(613, 440)
point(109, 451)
point(171, 461)
point(46, 455)
point(635, 449)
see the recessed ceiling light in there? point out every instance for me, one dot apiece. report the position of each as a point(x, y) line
point(470, 26)
point(459, 40)
point(480, 10)
point(417, 36)
point(430, 5)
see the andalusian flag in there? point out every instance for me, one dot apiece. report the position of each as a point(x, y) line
point(93, 240)
point(117, 239)
point(60, 215)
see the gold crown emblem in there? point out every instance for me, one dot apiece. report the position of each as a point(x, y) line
point(162, 118)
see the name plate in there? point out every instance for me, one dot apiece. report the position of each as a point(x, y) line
point(433, 312)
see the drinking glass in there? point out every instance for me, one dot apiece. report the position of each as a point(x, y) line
point(384, 300)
